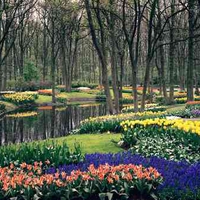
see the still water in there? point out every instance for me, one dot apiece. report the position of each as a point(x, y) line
point(47, 122)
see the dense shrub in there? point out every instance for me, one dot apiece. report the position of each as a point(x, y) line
point(22, 85)
point(100, 98)
point(77, 84)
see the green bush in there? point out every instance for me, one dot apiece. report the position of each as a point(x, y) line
point(126, 101)
point(156, 109)
point(30, 72)
point(57, 154)
point(100, 97)
point(22, 85)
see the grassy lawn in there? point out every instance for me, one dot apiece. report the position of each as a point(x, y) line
point(43, 99)
point(71, 95)
point(90, 143)
point(174, 108)
point(78, 95)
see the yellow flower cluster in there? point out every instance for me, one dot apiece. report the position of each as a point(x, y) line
point(123, 116)
point(20, 97)
point(187, 126)
point(22, 115)
point(184, 99)
point(150, 105)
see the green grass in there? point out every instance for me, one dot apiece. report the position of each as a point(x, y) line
point(77, 95)
point(90, 143)
point(43, 99)
point(174, 108)
point(93, 143)
point(72, 95)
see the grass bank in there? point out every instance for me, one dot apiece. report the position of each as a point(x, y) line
point(90, 143)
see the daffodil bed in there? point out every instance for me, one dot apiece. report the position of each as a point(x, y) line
point(112, 122)
point(171, 139)
point(21, 98)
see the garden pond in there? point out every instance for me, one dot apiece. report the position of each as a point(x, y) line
point(45, 122)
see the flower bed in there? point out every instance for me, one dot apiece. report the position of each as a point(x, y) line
point(112, 122)
point(171, 139)
point(22, 114)
point(45, 92)
point(184, 99)
point(181, 180)
point(104, 181)
point(61, 98)
point(21, 98)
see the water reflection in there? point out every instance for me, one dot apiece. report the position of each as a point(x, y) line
point(48, 123)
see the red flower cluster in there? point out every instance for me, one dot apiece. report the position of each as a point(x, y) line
point(31, 175)
point(193, 102)
point(45, 92)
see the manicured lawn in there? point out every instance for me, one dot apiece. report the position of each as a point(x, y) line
point(174, 108)
point(43, 99)
point(71, 95)
point(92, 143)
point(78, 95)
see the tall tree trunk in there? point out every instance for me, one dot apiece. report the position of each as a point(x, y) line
point(162, 58)
point(191, 16)
point(53, 60)
point(171, 54)
point(114, 61)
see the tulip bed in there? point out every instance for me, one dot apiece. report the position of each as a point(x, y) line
point(181, 180)
point(120, 181)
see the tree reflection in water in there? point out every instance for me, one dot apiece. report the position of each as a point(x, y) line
point(51, 123)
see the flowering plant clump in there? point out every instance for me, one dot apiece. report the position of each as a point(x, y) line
point(21, 98)
point(180, 179)
point(184, 100)
point(47, 92)
point(180, 94)
point(112, 122)
point(171, 139)
point(186, 126)
point(105, 180)
point(131, 108)
point(195, 113)
point(22, 114)
point(61, 98)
